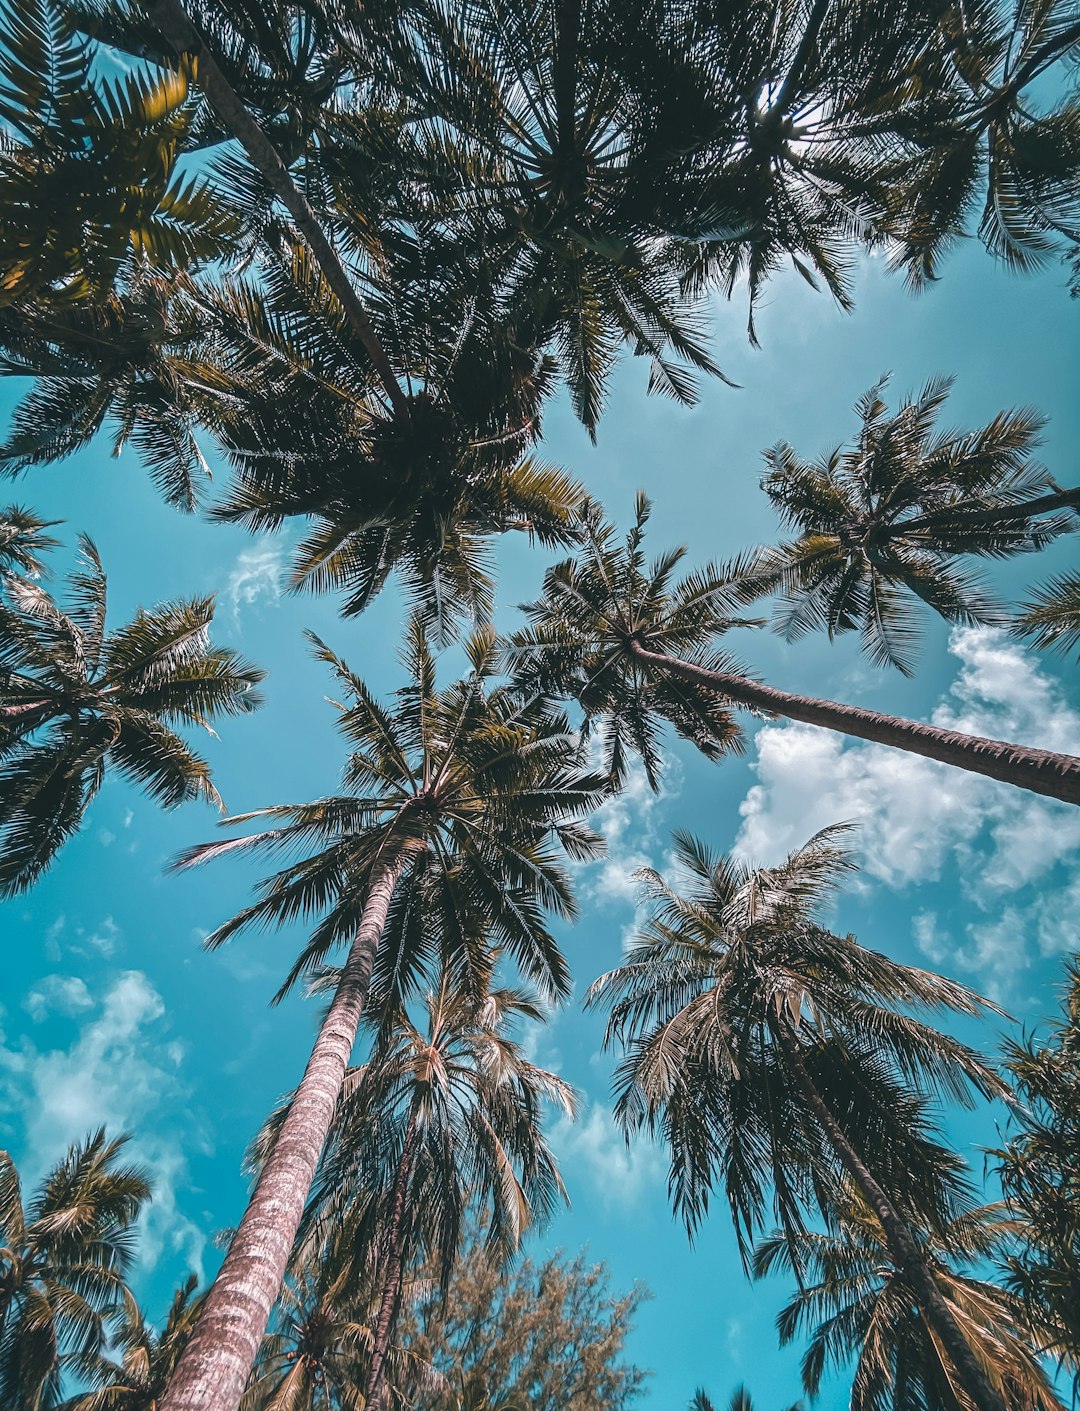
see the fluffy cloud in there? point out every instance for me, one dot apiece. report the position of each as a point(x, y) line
point(57, 994)
point(917, 816)
point(256, 574)
point(116, 1073)
point(595, 1147)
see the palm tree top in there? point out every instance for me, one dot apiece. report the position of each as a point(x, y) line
point(475, 789)
point(732, 966)
point(596, 608)
point(76, 699)
point(881, 522)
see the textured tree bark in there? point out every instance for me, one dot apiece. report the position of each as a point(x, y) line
point(214, 1366)
point(173, 21)
point(902, 1244)
point(395, 1270)
point(1042, 771)
point(1000, 514)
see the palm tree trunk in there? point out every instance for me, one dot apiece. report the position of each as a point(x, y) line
point(211, 1373)
point(1042, 771)
point(901, 1242)
point(395, 1269)
point(1000, 514)
point(173, 21)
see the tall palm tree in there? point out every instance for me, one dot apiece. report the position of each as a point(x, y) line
point(133, 1374)
point(1051, 616)
point(456, 801)
point(63, 1261)
point(857, 1304)
point(769, 1052)
point(444, 1116)
point(882, 522)
point(76, 700)
point(23, 540)
point(632, 646)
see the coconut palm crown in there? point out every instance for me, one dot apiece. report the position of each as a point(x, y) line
point(882, 522)
point(77, 700)
point(476, 792)
point(732, 975)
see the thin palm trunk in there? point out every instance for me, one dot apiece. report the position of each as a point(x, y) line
point(175, 24)
point(211, 1373)
point(395, 1269)
point(1042, 771)
point(903, 1247)
point(999, 514)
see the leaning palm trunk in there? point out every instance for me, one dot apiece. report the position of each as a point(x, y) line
point(175, 24)
point(210, 1375)
point(903, 1248)
point(395, 1271)
point(1041, 771)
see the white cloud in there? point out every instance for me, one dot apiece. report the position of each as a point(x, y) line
point(628, 824)
point(619, 1174)
point(918, 816)
point(256, 574)
point(57, 994)
point(112, 1075)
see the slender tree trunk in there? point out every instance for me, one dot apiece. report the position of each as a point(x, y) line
point(1041, 771)
point(214, 1366)
point(999, 514)
point(173, 21)
point(902, 1244)
point(395, 1269)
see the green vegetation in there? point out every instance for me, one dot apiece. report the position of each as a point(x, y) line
point(350, 253)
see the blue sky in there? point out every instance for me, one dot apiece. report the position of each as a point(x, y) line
point(112, 1012)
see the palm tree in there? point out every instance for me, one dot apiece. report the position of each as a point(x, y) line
point(1051, 616)
point(630, 645)
point(446, 835)
point(993, 125)
point(23, 540)
point(307, 435)
point(133, 1375)
point(857, 1303)
point(88, 168)
point(63, 1261)
point(887, 517)
point(771, 1052)
point(76, 700)
point(441, 1119)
